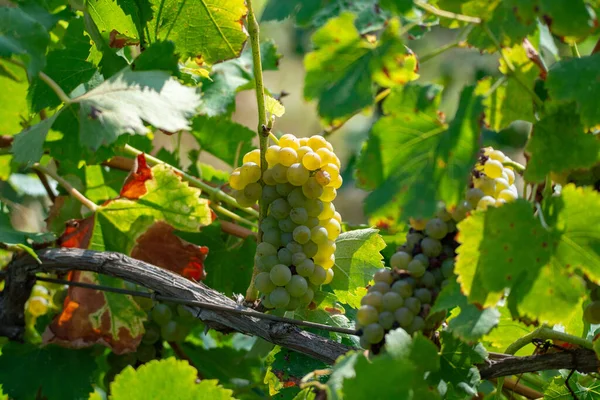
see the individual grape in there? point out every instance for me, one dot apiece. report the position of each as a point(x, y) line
point(287, 156)
point(269, 223)
point(298, 258)
point(392, 301)
point(329, 262)
point(316, 142)
point(303, 141)
point(168, 331)
point(252, 156)
point(333, 228)
point(510, 175)
point(373, 299)
point(268, 178)
point(423, 259)
point(302, 150)
point(272, 236)
point(323, 178)
point(253, 191)
point(373, 333)
point(431, 247)
point(235, 180)
point(297, 286)
point(485, 202)
point(299, 215)
point(497, 155)
point(289, 140)
point(311, 161)
point(284, 189)
point(280, 275)
point(272, 155)
point(424, 295)
point(310, 248)
point(403, 288)
point(297, 174)
point(329, 277)
point(443, 214)
point(501, 184)
point(417, 324)
point(145, 353)
point(412, 239)
point(152, 334)
point(268, 262)
point(161, 314)
point(279, 173)
point(386, 319)
point(417, 224)
point(332, 170)
point(294, 247)
point(474, 195)
point(318, 234)
point(266, 302)
point(336, 182)
point(280, 208)
point(326, 156)
point(436, 228)
point(308, 296)
point(404, 317)
point(318, 276)
point(250, 172)
point(279, 298)
point(507, 195)
point(302, 234)
point(337, 216)
point(367, 315)
point(461, 210)
point(383, 275)
point(312, 189)
point(413, 304)
point(242, 199)
point(486, 185)
point(286, 237)
point(284, 256)
point(493, 168)
point(416, 268)
point(269, 194)
point(328, 248)
point(296, 198)
point(380, 287)
point(428, 279)
point(287, 225)
point(328, 211)
point(37, 306)
point(305, 268)
point(400, 260)
point(329, 194)
point(447, 268)
point(313, 207)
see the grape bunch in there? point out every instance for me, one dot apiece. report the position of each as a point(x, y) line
point(403, 295)
point(299, 231)
point(45, 297)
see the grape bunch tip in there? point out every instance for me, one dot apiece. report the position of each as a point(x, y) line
point(296, 255)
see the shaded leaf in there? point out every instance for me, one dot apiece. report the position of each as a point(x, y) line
point(28, 146)
point(558, 390)
point(13, 98)
point(158, 56)
point(458, 361)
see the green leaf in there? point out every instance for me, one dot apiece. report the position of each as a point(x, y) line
point(163, 379)
point(121, 17)
point(357, 258)
point(28, 146)
point(341, 69)
point(458, 361)
point(505, 333)
point(67, 67)
point(223, 138)
point(274, 107)
point(288, 364)
point(102, 184)
point(413, 159)
point(559, 144)
point(22, 35)
point(124, 102)
point(326, 309)
point(159, 56)
point(219, 33)
point(397, 6)
point(472, 322)
point(568, 19)
point(420, 350)
point(228, 270)
point(343, 369)
point(25, 369)
point(557, 390)
point(541, 280)
point(13, 98)
point(574, 79)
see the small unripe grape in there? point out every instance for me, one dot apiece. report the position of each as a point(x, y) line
point(297, 286)
point(152, 334)
point(272, 155)
point(161, 314)
point(367, 315)
point(302, 234)
point(308, 296)
point(266, 302)
point(312, 189)
point(280, 208)
point(329, 262)
point(267, 262)
point(386, 319)
point(328, 211)
point(293, 304)
point(416, 268)
point(145, 353)
point(373, 333)
point(305, 268)
point(294, 247)
point(286, 237)
point(400, 260)
point(298, 258)
point(381, 287)
point(284, 256)
point(424, 295)
point(436, 228)
point(462, 209)
point(332, 170)
point(417, 223)
point(497, 155)
point(253, 191)
point(404, 317)
point(392, 301)
point(311, 161)
point(313, 207)
point(474, 195)
point(296, 198)
point(443, 214)
point(297, 174)
point(493, 168)
point(268, 178)
point(428, 279)
point(403, 288)
point(422, 258)
point(168, 331)
point(265, 249)
point(431, 247)
point(287, 225)
point(272, 236)
point(250, 172)
point(319, 275)
point(279, 298)
point(235, 180)
point(413, 304)
point(310, 248)
point(269, 194)
point(338, 217)
point(318, 234)
point(485, 202)
point(383, 275)
point(373, 299)
point(280, 275)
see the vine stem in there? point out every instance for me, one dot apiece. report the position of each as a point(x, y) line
point(439, 51)
point(263, 131)
point(446, 14)
point(67, 186)
point(520, 168)
point(546, 333)
point(212, 191)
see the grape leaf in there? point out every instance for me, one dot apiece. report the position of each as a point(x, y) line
point(341, 69)
point(28, 146)
point(505, 333)
point(67, 67)
point(223, 138)
point(22, 35)
point(160, 55)
point(574, 79)
point(219, 31)
point(458, 361)
point(557, 390)
point(471, 323)
point(290, 366)
point(13, 98)
point(325, 309)
point(413, 159)
point(25, 369)
point(102, 185)
point(420, 350)
point(164, 378)
point(542, 282)
point(219, 90)
point(568, 19)
point(122, 104)
point(120, 17)
point(559, 144)
point(357, 257)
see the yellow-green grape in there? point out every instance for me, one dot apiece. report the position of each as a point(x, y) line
point(37, 305)
point(323, 178)
point(501, 184)
point(316, 142)
point(474, 195)
point(329, 276)
point(287, 156)
point(510, 175)
point(487, 186)
point(263, 283)
point(301, 151)
point(312, 189)
point(302, 234)
point(326, 156)
point(332, 170)
point(311, 161)
point(268, 178)
point(318, 234)
point(306, 268)
point(280, 275)
point(328, 211)
point(297, 175)
point(289, 140)
point(308, 296)
point(329, 262)
point(250, 172)
point(297, 286)
point(279, 173)
point(333, 228)
point(417, 224)
point(493, 168)
point(485, 202)
point(337, 216)
point(272, 155)
point(496, 155)
point(337, 182)
point(279, 298)
point(367, 315)
point(329, 194)
point(507, 195)
point(400, 260)
point(242, 199)
point(252, 156)
point(373, 299)
point(318, 276)
point(235, 180)
point(253, 192)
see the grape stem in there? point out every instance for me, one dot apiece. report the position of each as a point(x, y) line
point(519, 168)
point(446, 14)
point(263, 130)
point(67, 186)
point(546, 333)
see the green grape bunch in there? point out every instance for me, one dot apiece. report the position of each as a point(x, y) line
point(299, 231)
point(402, 297)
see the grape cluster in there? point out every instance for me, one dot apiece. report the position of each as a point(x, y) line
point(45, 297)
point(403, 295)
point(299, 231)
